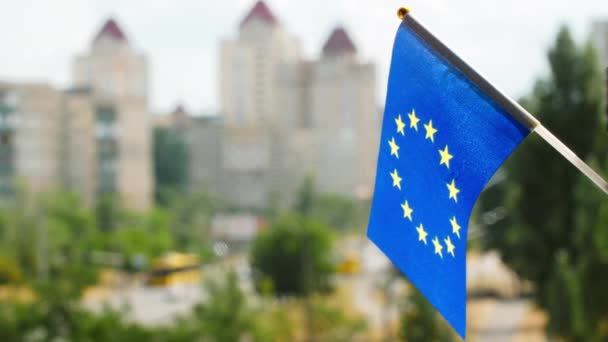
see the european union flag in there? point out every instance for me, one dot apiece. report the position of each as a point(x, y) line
point(445, 132)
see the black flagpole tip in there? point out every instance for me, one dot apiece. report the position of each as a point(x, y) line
point(402, 12)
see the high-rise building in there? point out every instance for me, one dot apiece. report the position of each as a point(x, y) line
point(30, 137)
point(113, 134)
point(93, 138)
point(249, 66)
point(112, 68)
point(249, 160)
point(284, 118)
point(343, 113)
point(331, 117)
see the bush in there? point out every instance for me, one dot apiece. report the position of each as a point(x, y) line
point(294, 254)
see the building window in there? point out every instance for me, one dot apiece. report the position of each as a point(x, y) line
point(105, 127)
point(106, 172)
point(107, 150)
point(106, 115)
point(6, 139)
point(6, 154)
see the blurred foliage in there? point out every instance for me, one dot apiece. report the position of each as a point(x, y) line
point(557, 232)
point(420, 322)
point(294, 254)
point(46, 236)
point(331, 323)
point(58, 319)
point(55, 314)
point(418, 319)
point(182, 224)
point(225, 316)
point(9, 271)
point(337, 211)
point(190, 215)
point(145, 235)
point(305, 197)
point(52, 245)
point(273, 323)
point(107, 212)
point(229, 316)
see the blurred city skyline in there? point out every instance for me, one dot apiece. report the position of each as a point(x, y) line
point(505, 43)
point(180, 223)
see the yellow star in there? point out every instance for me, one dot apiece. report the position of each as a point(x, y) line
point(400, 125)
point(394, 148)
point(421, 233)
point(413, 120)
point(453, 190)
point(449, 245)
point(455, 226)
point(430, 131)
point(396, 179)
point(445, 157)
point(438, 247)
point(407, 211)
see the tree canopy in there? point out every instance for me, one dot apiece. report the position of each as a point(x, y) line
point(557, 231)
point(171, 162)
point(294, 255)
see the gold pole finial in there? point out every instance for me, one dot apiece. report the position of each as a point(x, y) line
point(402, 12)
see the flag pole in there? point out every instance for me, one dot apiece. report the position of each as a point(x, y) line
point(517, 111)
point(571, 157)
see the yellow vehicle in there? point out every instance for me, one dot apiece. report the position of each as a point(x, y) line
point(350, 264)
point(175, 269)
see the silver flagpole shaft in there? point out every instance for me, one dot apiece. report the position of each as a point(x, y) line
point(572, 158)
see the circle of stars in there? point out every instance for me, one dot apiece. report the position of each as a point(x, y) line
point(439, 245)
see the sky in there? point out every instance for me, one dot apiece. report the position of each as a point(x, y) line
point(506, 41)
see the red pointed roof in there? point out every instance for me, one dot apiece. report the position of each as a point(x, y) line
point(112, 30)
point(179, 114)
point(339, 42)
point(260, 11)
point(179, 110)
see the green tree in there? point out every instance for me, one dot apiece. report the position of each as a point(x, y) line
point(171, 162)
point(67, 229)
point(272, 322)
point(107, 212)
point(421, 322)
point(9, 271)
point(337, 211)
point(331, 323)
point(46, 235)
point(189, 218)
point(554, 234)
point(305, 196)
point(56, 315)
point(224, 317)
point(294, 255)
point(136, 238)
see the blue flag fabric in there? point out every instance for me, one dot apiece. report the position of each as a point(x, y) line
point(443, 138)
